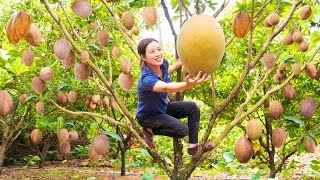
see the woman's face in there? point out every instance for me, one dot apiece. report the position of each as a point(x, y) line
point(154, 54)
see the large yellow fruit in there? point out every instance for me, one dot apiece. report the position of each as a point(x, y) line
point(201, 44)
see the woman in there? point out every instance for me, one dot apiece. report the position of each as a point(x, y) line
point(154, 113)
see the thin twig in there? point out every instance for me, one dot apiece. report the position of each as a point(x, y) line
point(69, 21)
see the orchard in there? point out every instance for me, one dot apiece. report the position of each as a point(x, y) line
point(69, 71)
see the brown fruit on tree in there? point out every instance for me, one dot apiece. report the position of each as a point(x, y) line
point(93, 155)
point(73, 135)
point(113, 105)
point(278, 137)
point(135, 30)
point(296, 69)
point(126, 66)
point(254, 129)
point(62, 98)
point(88, 101)
point(149, 16)
point(280, 74)
point(287, 39)
point(6, 103)
point(34, 36)
point(317, 76)
point(92, 105)
point(11, 33)
point(69, 60)
point(243, 149)
point(303, 46)
point(127, 19)
point(102, 38)
point(63, 135)
point(65, 148)
point(241, 24)
point(61, 48)
point(101, 144)
point(21, 24)
point(297, 37)
point(82, 8)
point(276, 79)
point(210, 33)
point(95, 98)
point(36, 136)
point(311, 70)
point(273, 19)
point(38, 85)
point(266, 23)
point(93, 25)
point(40, 107)
point(116, 52)
point(275, 109)
point(282, 67)
point(305, 12)
point(308, 107)
point(84, 56)
point(289, 91)
point(82, 71)
point(268, 60)
point(126, 81)
point(23, 98)
point(46, 73)
point(27, 58)
point(105, 102)
point(310, 145)
point(72, 96)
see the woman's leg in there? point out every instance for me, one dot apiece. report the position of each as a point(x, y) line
point(183, 109)
point(164, 124)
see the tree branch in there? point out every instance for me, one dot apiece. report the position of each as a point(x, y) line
point(69, 21)
point(224, 4)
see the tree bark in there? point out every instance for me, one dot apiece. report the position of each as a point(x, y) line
point(3, 150)
point(178, 161)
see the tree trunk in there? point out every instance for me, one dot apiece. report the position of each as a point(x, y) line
point(123, 161)
point(272, 172)
point(3, 150)
point(178, 161)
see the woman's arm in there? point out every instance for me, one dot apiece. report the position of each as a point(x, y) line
point(175, 66)
point(161, 86)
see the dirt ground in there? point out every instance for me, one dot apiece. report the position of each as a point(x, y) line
point(74, 170)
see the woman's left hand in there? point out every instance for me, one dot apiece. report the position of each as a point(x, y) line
point(199, 79)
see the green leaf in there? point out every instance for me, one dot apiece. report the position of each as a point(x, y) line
point(52, 1)
point(144, 153)
point(286, 173)
point(300, 147)
point(24, 167)
point(287, 59)
point(315, 161)
point(315, 167)
point(147, 176)
point(31, 97)
point(294, 119)
point(257, 176)
point(317, 90)
point(59, 122)
point(228, 156)
point(94, 47)
point(63, 85)
point(70, 124)
point(113, 135)
point(36, 158)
